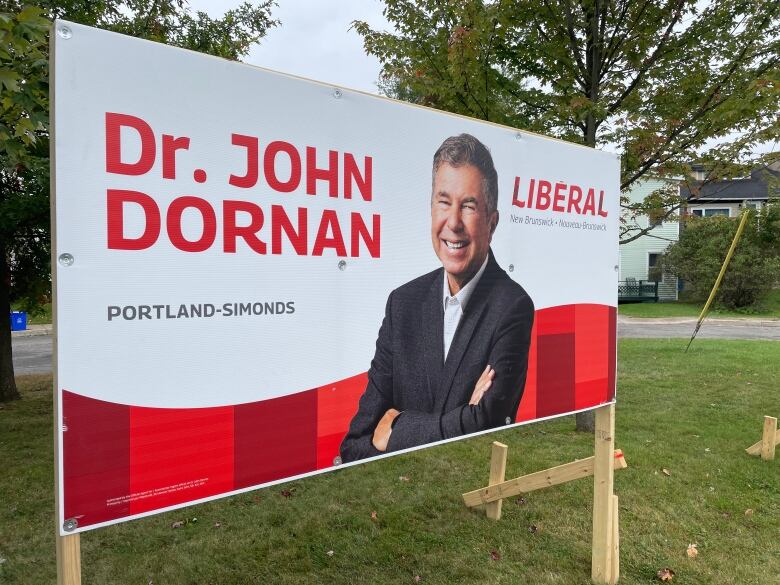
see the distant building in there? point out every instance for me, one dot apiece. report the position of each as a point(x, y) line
point(637, 258)
point(728, 197)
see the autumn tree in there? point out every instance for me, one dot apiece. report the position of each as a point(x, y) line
point(663, 82)
point(24, 119)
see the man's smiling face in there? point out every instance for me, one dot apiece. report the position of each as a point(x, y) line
point(461, 226)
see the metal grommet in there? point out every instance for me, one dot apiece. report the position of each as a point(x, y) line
point(70, 525)
point(66, 259)
point(337, 93)
point(342, 264)
point(337, 460)
point(508, 421)
point(511, 268)
point(64, 32)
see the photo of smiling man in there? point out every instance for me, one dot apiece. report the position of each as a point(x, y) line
point(452, 352)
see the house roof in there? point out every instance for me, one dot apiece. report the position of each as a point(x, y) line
point(756, 187)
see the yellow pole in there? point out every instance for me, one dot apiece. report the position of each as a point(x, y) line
point(714, 291)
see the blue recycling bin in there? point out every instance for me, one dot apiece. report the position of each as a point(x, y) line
point(18, 320)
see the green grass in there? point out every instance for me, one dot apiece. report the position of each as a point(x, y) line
point(767, 308)
point(692, 414)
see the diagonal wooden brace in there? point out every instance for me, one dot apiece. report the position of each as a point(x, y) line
point(770, 439)
point(535, 481)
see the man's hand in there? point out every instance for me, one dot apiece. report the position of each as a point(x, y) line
point(482, 386)
point(383, 430)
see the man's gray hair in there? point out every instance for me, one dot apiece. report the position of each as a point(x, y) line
point(464, 149)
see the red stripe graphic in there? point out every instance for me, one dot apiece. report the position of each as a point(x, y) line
point(121, 460)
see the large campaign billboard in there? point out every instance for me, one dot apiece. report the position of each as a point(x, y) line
point(261, 277)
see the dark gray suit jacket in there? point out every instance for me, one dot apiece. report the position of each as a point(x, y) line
point(409, 372)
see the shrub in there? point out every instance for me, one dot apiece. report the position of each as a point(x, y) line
point(754, 268)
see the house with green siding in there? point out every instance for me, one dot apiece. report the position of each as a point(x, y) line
point(638, 257)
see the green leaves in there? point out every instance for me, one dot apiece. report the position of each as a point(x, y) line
point(9, 80)
point(698, 255)
point(23, 85)
point(665, 83)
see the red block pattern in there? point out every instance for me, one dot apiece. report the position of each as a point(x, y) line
point(124, 460)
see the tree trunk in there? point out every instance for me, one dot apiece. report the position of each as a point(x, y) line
point(586, 421)
point(8, 389)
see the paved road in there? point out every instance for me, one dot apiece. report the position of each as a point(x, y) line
point(711, 329)
point(32, 349)
point(32, 354)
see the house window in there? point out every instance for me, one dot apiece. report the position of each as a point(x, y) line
point(711, 211)
point(653, 267)
point(652, 259)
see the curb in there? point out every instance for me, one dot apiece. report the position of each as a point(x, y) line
point(33, 331)
point(746, 321)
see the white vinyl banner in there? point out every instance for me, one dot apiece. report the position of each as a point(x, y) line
point(228, 236)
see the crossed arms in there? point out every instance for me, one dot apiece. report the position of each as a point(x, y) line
point(484, 393)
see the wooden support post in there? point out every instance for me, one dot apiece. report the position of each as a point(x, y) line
point(615, 541)
point(757, 448)
point(603, 476)
point(768, 438)
point(69, 560)
point(497, 474)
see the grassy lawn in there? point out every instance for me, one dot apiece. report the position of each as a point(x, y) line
point(690, 414)
point(768, 308)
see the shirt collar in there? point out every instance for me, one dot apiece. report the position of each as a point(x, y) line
point(464, 294)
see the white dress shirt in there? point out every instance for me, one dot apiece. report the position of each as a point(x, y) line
point(456, 304)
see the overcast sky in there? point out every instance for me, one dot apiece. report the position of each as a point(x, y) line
point(315, 40)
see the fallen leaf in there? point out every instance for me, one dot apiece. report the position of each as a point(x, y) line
point(494, 554)
point(665, 575)
point(666, 472)
point(533, 529)
point(194, 520)
point(217, 525)
point(693, 551)
point(177, 524)
point(749, 512)
point(329, 553)
point(374, 516)
point(417, 578)
point(403, 478)
point(287, 493)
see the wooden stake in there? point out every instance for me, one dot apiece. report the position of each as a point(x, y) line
point(497, 474)
point(603, 476)
point(768, 438)
point(755, 448)
point(538, 480)
point(69, 560)
point(615, 574)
